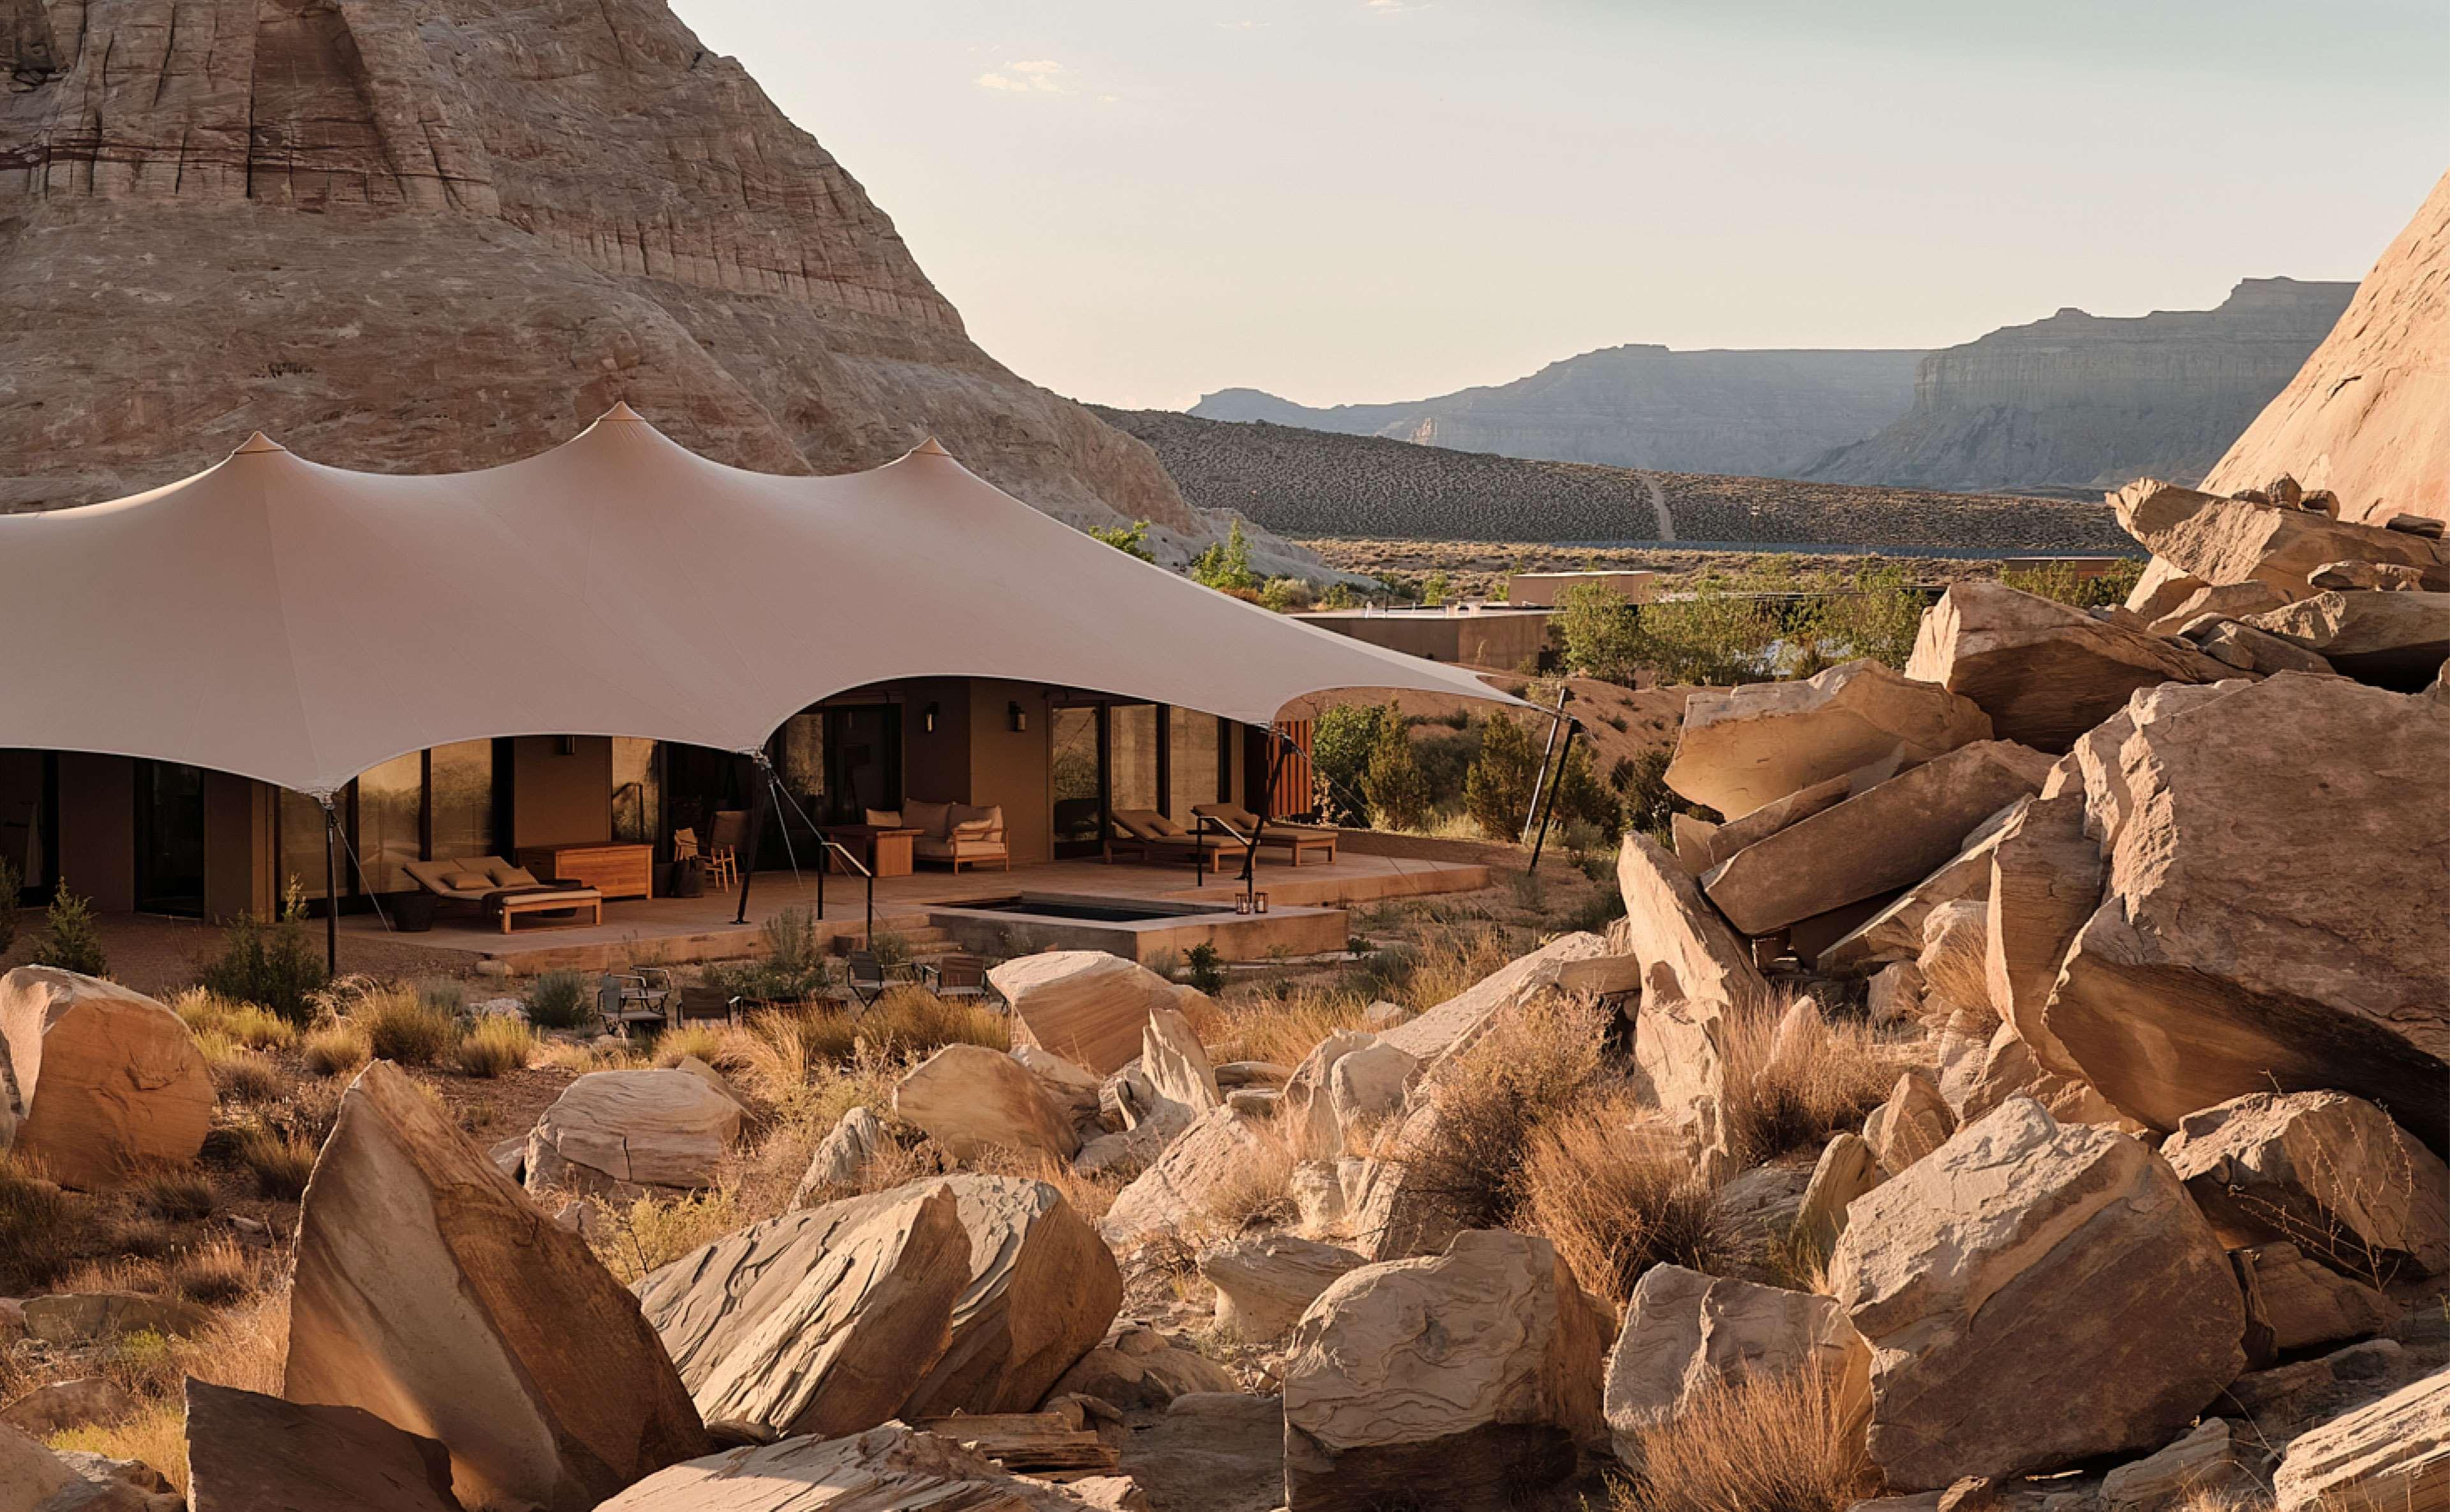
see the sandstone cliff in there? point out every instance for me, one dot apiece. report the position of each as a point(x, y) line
point(434, 234)
point(1760, 414)
point(2368, 416)
point(2083, 402)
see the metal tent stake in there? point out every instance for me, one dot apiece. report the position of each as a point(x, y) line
point(331, 887)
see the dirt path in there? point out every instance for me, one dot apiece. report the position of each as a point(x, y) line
point(1658, 505)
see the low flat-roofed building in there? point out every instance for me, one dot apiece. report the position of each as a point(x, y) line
point(1508, 637)
point(1545, 590)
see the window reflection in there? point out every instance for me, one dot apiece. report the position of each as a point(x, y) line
point(1193, 742)
point(1134, 749)
point(464, 798)
point(637, 790)
point(391, 820)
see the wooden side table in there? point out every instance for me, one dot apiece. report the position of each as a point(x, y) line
point(886, 850)
point(614, 869)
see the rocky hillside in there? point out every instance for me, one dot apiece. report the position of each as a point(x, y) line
point(2368, 416)
point(450, 233)
point(1312, 483)
point(1759, 414)
point(2081, 403)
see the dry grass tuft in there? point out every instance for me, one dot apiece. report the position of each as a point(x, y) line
point(244, 1347)
point(494, 1047)
point(1779, 1442)
point(156, 1436)
point(281, 1162)
point(1613, 1203)
point(402, 1026)
point(905, 1022)
point(242, 1023)
point(1825, 1080)
point(177, 1193)
point(1283, 1028)
point(714, 1045)
point(1537, 1064)
point(337, 1050)
point(219, 1272)
point(1256, 1193)
point(246, 1075)
point(652, 1232)
point(34, 1227)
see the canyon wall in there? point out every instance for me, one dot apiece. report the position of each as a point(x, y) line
point(1760, 414)
point(2080, 402)
point(425, 234)
point(2368, 416)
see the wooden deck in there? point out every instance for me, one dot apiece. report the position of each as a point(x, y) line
point(673, 931)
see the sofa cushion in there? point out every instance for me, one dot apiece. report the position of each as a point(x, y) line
point(885, 818)
point(973, 821)
point(932, 819)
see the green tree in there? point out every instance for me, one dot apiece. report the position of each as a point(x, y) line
point(1132, 540)
point(1226, 565)
point(1877, 615)
point(1714, 634)
point(1286, 595)
point(1436, 588)
point(1651, 805)
point(70, 940)
point(1340, 742)
point(2059, 581)
point(1497, 788)
point(1392, 786)
point(1582, 796)
point(1600, 633)
point(272, 963)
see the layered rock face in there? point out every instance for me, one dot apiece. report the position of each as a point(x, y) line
point(2079, 401)
point(2368, 416)
point(1761, 414)
point(448, 234)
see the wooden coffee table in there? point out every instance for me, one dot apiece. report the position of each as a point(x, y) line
point(886, 850)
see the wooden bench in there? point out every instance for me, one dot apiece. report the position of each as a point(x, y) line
point(554, 901)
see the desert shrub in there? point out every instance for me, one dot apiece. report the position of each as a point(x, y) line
point(1340, 742)
point(241, 1076)
point(178, 1193)
point(281, 1163)
point(400, 1027)
point(70, 939)
point(1613, 1203)
point(213, 1274)
point(336, 1050)
point(702, 1041)
point(270, 962)
point(791, 965)
point(1226, 563)
point(1715, 635)
point(905, 1022)
point(1534, 1066)
point(1876, 614)
point(10, 885)
point(1286, 595)
point(1497, 789)
point(2059, 581)
point(1600, 633)
point(1392, 784)
point(34, 1227)
point(1206, 969)
point(1449, 963)
point(1778, 1440)
point(443, 995)
point(560, 1000)
point(1132, 540)
point(1826, 1078)
point(652, 1232)
point(1651, 805)
point(495, 1045)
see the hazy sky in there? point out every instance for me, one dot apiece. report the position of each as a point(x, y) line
point(1139, 200)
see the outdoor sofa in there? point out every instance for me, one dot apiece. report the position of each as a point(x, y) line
point(955, 834)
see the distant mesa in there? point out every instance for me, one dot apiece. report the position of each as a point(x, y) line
point(2082, 402)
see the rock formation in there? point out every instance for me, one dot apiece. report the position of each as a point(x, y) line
point(892, 1468)
point(2368, 416)
point(253, 1453)
point(1764, 414)
point(624, 1130)
point(2080, 401)
point(94, 1079)
point(449, 234)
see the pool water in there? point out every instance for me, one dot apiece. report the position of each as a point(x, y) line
point(1121, 911)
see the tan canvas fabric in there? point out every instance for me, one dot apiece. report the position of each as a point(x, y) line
point(298, 622)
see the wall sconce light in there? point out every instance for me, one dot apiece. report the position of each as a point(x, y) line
point(1017, 717)
point(928, 719)
point(565, 745)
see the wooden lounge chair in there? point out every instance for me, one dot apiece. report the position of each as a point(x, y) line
point(1239, 824)
point(488, 881)
point(1147, 835)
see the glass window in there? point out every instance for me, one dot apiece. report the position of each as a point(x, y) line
point(637, 790)
point(1134, 762)
point(391, 820)
point(1194, 741)
point(301, 845)
point(1072, 734)
point(464, 798)
point(800, 760)
point(863, 762)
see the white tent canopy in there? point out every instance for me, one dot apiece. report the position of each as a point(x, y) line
point(300, 624)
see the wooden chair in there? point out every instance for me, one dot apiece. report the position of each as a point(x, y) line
point(705, 1005)
point(959, 977)
point(722, 866)
point(724, 839)
point(643, 996)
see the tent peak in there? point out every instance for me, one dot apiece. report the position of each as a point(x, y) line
point(256, 444)
point(621, 411)
point(930, 447)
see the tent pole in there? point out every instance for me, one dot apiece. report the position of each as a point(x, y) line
point(758, 805)
point(1565, 752)
point(1267, 804)
point(1547, 752)
point(331, 888)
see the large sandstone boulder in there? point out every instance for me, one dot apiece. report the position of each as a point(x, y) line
point(1086, 1006)
point(105, 1079)
point(253, 1453)
point(2272, 915)
point(1266, 1282)
point(1571, 962)
point(2228, 601)
point(1476, 1372)
point(2296, 1303)
point(1896, 933)
point(1038, 1289)
point(1686, 1332)
point(31, 1475)
point(1880, 840)
point(2227, 541)
point(892, 1468)
point(1221, 1147)
point(622, 1129)
point(840, 1158)
point(2253, 650)
point(2328, 1172)
point(1680, 1067)
point(2044, 673)
point(430, 1292)
point(1915, 1121)
point(1367, 1088)
point(969, 1098)
point(1669, 928)
point(1138, 1370)
point(2390, 1456)
point(1698, 851)
point(2046, 881)
point(1848, 1167)
point(1176, 1063)
point(1306, 1112)
point(2034, 1294)
point(1757, 743)
point(2397, 640)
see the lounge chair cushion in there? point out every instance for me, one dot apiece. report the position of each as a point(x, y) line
point(467, 881)
point(885, 818)
point(514, 877)
point(931, 819)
